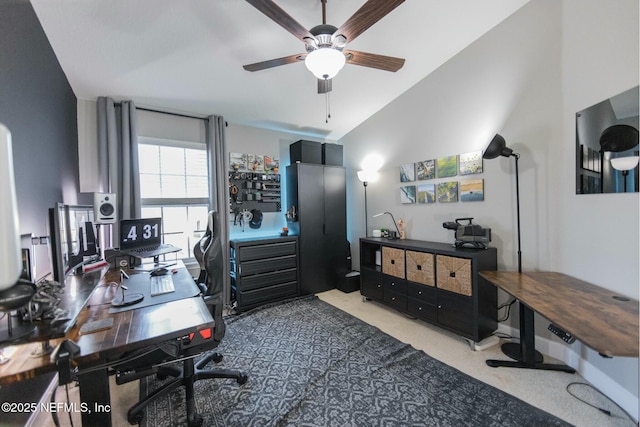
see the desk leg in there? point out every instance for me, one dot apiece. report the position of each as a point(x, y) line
point(94, 392)
point(525, 353)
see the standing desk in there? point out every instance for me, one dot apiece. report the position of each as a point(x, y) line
point(601, 319)
point(132, 329)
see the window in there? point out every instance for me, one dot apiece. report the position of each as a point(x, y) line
point(174, 186)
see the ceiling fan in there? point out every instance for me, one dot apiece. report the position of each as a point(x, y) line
point(325, 55)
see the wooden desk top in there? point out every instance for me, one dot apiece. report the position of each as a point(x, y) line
point(600, 318)
point(131, 330)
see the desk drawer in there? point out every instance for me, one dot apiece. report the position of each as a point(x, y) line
point(268, 250)
point(248, 268)
point(264, 280)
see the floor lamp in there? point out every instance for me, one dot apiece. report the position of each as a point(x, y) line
point(522, 351)
point(366, 177)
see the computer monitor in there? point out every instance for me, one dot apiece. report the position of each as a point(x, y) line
point(70, 234)
point(135, 233)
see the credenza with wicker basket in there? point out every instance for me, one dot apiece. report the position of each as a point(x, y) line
point(432, 281)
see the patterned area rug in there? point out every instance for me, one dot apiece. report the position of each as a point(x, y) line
point(311, 364)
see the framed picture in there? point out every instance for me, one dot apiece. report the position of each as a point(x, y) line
point(426, 169)
point(238, 161)
point(408, 194)
point(426, 193)
point(255, 163)
point(447, 166)
point(471, 163)
point(448, 192)
point(472, 190)
point(271, 164)
point(407, 172)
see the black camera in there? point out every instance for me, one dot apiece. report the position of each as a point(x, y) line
point(469, 233)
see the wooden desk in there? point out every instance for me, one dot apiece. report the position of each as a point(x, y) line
point(601, 319)
point(131, 330)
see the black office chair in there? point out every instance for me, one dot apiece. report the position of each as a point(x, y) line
point(208, 252)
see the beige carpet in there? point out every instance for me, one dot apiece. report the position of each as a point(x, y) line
point(543, 389)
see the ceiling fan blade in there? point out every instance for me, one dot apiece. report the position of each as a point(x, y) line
point(370, 13)
point(324, 85)
point(280, 17)
point(372, 60)
point(299, 57)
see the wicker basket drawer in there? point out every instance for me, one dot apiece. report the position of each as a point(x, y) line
point(454, 274)
point(393, 261)
point(420, 267)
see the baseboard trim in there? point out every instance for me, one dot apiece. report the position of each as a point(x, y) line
point(571, 357)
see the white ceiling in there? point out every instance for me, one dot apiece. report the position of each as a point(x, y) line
point(187, 56)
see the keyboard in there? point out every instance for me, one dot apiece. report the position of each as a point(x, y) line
point(162, 285)
point(151, 251)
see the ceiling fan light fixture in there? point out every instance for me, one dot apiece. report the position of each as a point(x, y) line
point(325, 62)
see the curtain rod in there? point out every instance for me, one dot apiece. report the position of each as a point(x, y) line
point(226, 124)
point(171, 114)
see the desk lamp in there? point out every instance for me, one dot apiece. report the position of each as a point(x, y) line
point(498, 147)
point(14, 293)
point(397, 236)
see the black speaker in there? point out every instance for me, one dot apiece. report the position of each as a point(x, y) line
point(104, 208)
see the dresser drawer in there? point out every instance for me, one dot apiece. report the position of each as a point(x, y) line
point(370, 283)
point(264, 280)
point(248, 268)
point(395, 300)
point(426, 294)
point(421, 309)
point(393, 261)
point(456, 312)
point(264, 295)
point(268, 250)
point(394, 284)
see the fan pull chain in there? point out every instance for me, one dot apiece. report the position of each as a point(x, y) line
point(327, 107)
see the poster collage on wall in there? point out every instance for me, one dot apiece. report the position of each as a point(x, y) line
point(445, 190)
point(258, 163)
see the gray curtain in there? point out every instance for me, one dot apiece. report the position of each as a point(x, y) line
point(118, 157)
point(218, 188)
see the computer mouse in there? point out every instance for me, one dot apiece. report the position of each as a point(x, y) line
point(161, 271)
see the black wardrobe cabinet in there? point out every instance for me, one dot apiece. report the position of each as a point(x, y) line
point(317, 193)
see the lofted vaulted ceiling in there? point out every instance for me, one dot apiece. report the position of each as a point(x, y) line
point(187, 55)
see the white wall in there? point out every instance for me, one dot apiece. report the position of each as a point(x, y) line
point(525, 79)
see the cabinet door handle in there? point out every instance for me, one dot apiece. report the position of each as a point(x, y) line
point(419, 292)
point(393, 283)
point(419, 308)
point(379, 285)
point(393, 298)
point(439, 306)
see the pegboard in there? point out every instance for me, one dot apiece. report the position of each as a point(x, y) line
point(253, 190)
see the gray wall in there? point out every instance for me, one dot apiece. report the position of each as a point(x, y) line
point(39, 108)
